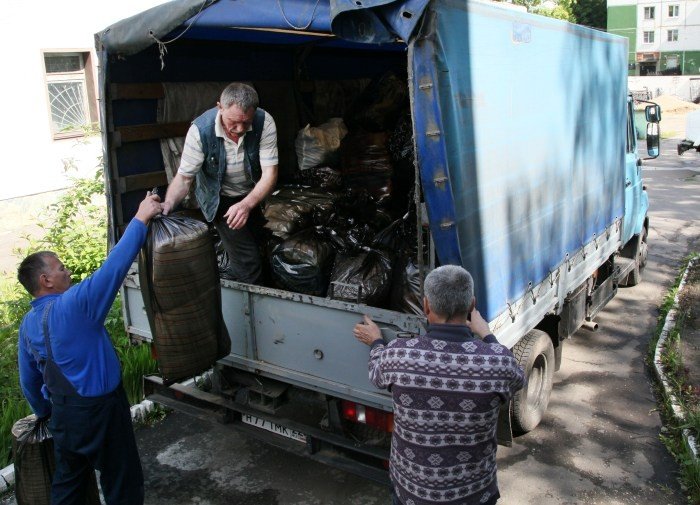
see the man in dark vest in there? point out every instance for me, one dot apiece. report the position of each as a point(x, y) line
point(231, 150)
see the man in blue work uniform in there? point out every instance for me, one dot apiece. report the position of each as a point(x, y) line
point(69, 370)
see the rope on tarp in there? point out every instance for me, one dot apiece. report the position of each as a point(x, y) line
point(162, 49)
point(313, 16)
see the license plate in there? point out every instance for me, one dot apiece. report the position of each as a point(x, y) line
point(273, 427)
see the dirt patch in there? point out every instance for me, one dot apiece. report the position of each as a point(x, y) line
point(673, 125)
point(673, 115)
point(673, 104)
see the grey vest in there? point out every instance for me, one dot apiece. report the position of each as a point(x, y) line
point(210, 177)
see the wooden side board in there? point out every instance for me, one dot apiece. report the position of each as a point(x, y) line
point(137, 133)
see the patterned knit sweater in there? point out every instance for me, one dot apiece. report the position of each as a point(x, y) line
point(447, 387)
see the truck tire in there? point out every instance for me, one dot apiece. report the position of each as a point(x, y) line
point(640, 260)
point(535, 353)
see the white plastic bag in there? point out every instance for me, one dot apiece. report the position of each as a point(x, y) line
point(316, 145)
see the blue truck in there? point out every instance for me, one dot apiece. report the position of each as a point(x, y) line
point(527, 174)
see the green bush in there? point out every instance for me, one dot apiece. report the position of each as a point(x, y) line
point(77, 233)
point(77, 227)
point(14, 305)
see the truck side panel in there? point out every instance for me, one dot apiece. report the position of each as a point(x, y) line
point(522, 193)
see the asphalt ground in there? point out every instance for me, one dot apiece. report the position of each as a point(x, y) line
point(599, 441)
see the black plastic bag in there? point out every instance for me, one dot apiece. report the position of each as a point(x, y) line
point(365, 278)
point(179, 278)
point(357, 204)
point(400, 142)
point(321, 177)
point(406, 287)
point(285, 216)
point(223, 260)
point(293, 208)
point(378, 106)
point(397, 238)
point(347, 233)
point(32, 446)
point(402, 153)
point(380, 187)
point(302, 263)
point(366, 164)
point(365, 153)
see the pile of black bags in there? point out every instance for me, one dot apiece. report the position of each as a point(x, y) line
point(343, 229)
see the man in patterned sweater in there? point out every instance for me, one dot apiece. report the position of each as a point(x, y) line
point(447, 387)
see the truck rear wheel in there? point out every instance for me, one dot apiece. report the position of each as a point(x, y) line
point(640, 260)
point(535, 353)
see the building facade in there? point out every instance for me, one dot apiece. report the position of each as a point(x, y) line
point(664, 36)
point(49, 95)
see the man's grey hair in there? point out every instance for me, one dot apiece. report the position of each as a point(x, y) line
point(449, 290)
point(239, 94)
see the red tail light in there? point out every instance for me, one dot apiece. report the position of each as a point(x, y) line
point(376, 418)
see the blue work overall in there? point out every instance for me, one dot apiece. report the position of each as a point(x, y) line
point(89, 433)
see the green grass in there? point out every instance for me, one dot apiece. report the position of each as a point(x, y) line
point(135, 358)
point(672, 364)
point(13, 404)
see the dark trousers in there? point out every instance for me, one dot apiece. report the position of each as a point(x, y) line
point(242, 246)
point(95, 433)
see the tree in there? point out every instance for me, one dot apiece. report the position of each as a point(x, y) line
point(593, 13)
point(558, 10)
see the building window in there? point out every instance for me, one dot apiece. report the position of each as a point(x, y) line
point(673, 35)
point(648, 37)
point(649, 12)
point(70, 91)
point(673, 11)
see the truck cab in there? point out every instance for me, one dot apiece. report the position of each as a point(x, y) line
point(635, 229)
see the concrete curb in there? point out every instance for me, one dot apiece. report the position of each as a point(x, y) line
point(669, 325)
point(138, 413)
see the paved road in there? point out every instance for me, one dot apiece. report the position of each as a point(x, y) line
point(598, 443)
point(599, 440)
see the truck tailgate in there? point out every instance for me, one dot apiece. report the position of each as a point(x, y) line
point(299, 339)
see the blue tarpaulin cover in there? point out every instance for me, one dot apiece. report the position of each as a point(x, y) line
point(366, 21)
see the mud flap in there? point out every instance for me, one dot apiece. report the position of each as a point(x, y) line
point(504, 431)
